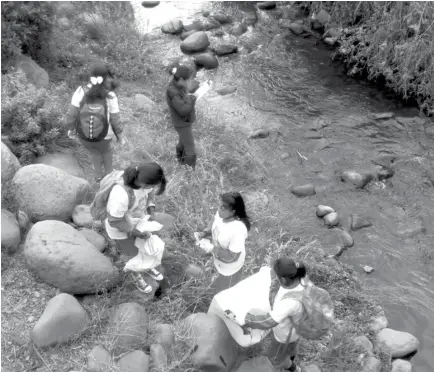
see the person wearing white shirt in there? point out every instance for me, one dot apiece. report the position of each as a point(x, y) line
point(128, 202)
point(100, 87)
point(229, 232)
point(287, 311)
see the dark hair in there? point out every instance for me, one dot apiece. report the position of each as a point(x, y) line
point(182, 72)
point(235, 201)
point(288, 270)
point(99, 91)
point(150, 173)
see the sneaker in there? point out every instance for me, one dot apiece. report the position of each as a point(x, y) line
point(141, 284)
point(156, 275)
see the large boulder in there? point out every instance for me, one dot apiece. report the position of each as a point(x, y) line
point(48, 193)
point(396, 343)
point(127, 328)
point(206, 60)
point(158, 356)
point(186, 34)
point(10, 164)
point(136, 361)
point(11, 235)
point(211, 344)
point(238, 29)
point(250, 18)
point(400, 365)
point(150, 4)
point(34, 73)
point(211, 23)
point(364, 342)
point(224, 49)
point(196, 25)
point(378, 324)
point(99, 359)
point(173, 27)
point(266, 5)
point(371, 364)
point(257, 364)
point(63, 257)
point(97, 240)
point(164, 335)
point(62, 319)
point(198, 42)
point(222, 18)
point(66, 162)
point(82, 217)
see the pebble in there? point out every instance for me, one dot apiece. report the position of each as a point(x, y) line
point(368, 269)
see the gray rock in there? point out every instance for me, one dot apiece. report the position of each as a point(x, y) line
point(311, 368)
point(410, 232)
point(371, 364)
point(259, 133)
point(128, 327)
point(9, 164)
point(34, 73)
point(224, 49)
point(206, 60)
point(357, 179)
point(330, 40)
point(222, 18)
point(150, 4)
point(45, 192)
point(266, 5)
point(384, 116)
point(238, 29)
point(10, 232)
point(194, 271)
point(186, 34)
point(197, 25)
point(322, 17)
point(395, 343)
point(255, 200)
point(364, 342)
point(136, 361)
point(205, 13)
point(284, 156)
point(303, 190)
point(211, 23)
point(144, 103)
point(97, 240)
point(250, 18)
point(65, 9)
point(66, 162)
point(173, 27)
point(62, 319)
point(99, 360)
point(198, 42)
point(323, 210)
point(256, 364)
point(331, 219)
point(296, 28)
point(346, 239)
point(158, 357)
point(223, 91)
point(164, 335)
point(358, 222)
point(82, 216)
point(400, 365)
point(378, 324)
point(62, 256)
point(368, 269)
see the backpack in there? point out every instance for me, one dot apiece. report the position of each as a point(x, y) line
point(98, 208)
point(318, 312)
point(92, 123)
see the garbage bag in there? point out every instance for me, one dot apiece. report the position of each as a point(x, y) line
point(149, 256)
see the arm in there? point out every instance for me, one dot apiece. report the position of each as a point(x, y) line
point(150, 204)
point(260, 321)
point(115, 119)
point(74, 109)
point(182, 104)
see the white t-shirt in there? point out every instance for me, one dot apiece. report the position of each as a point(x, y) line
point(112, 106)
point(282, 310)
point(232, 236)
point(117, 206)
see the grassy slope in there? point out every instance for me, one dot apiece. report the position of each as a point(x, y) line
point(227, 161)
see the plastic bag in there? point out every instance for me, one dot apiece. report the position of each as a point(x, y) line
point(234, 303)
point(150, 254)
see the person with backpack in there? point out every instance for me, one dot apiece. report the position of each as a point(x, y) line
point(182, 111)
point(299, 309)
point(94, 116)
point(229, 232)
point(124, 199)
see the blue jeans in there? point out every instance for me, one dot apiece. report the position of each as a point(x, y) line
point(185, 149)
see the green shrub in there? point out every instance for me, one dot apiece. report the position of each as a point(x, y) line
point(32, 119)
point(26, 28)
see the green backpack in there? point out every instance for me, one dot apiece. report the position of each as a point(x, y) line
point(98, 208)
point(318, 312)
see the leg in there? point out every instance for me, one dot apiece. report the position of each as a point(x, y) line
point(277, 353)
point(127, 247)
point(107, 155)
point(187, 140)
point(292, 353)
point(179, 147)
point(222, 282)
point(96, 156)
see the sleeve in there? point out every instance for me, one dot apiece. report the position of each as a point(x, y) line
point(77, 97)
point(113, 104)
point(183, 105)
point(117, 204)
point(284, 309)
point(238, 240)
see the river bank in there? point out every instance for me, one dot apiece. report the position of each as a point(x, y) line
point(228, 160)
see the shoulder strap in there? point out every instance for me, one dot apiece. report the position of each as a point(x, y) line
point(85, 90)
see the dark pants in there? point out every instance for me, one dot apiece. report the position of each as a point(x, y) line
point(185, 149)
point(102, 155)
point(222, 282)
point(281, 355)
point(127, 247)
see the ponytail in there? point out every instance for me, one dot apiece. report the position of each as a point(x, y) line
point(163, 184)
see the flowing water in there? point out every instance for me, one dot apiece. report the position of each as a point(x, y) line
point(290, 81)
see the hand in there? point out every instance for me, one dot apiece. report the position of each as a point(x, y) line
point(138, 234)
point(246, 330)
point(71, 133)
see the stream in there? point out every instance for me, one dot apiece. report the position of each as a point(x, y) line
point(291, 81)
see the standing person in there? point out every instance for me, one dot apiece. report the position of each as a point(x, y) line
point(130, 199)
point(182, 110)
point(229, 232)
point(286, 312)
point(94, 115)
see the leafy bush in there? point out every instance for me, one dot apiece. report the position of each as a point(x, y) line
point(26, 28)
point(32, 119)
